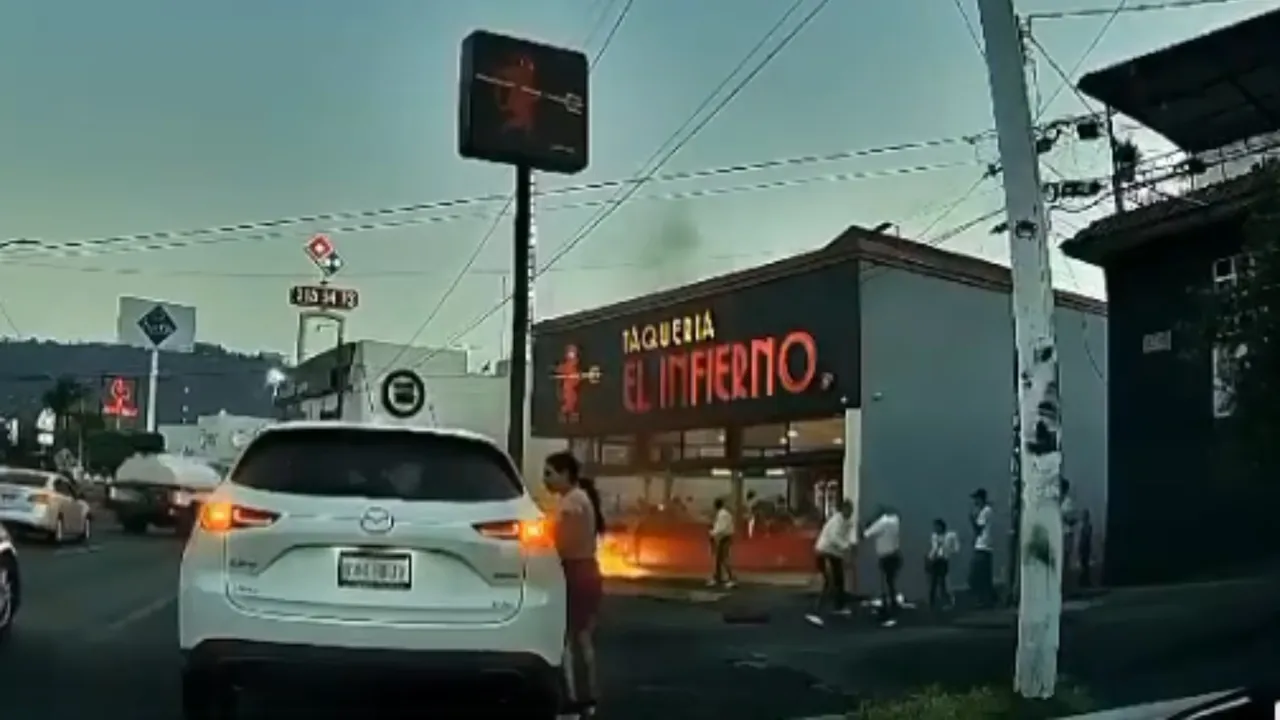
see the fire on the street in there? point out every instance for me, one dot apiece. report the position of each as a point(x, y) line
point(613, 558)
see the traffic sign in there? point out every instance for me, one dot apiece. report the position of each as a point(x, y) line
point(323, 297)
point(403, 393)
point(158, 325)
point(319, 248)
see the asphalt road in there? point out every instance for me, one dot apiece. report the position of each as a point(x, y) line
point(96, 640)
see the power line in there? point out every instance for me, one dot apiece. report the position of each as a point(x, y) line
point(1084, 56)
point(662, 158)
point(488, 236)
point(702, 193)
point(970, 27)
point(1147, 7)
point(375, 220)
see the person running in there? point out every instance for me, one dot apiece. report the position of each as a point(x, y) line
point(721, 536)
point(943, 545)
point(886, 531)
point(982, 565)
point(832, 546)
point(578, 526)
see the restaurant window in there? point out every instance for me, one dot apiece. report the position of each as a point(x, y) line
point(585, 449)
point(666, 447)
point(616, 450)
point(704, 443)
point(810, 435)
point(764, 440)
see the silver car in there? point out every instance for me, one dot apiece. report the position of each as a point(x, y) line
point(10, 584)
point(43, 502)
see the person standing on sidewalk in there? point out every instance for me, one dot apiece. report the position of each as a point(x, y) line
point(943, 545)
point(982, 565)
point(886, 531)
point(1070, 533)
point(832, 546)
point(1084, 550)
point(721, 544)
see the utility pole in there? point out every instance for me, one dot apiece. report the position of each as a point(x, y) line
point(1040, 552)
point(519, 368)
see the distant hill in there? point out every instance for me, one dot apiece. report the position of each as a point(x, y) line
point(202, 382)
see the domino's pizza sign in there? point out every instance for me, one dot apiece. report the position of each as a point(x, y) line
point(156, 325)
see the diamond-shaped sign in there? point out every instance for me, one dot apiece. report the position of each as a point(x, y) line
point(319, 248)
point(330, 265)
point(157, 325)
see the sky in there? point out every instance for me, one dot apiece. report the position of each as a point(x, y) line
point(138, 116)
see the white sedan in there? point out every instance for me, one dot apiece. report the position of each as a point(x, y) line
point(43, 502)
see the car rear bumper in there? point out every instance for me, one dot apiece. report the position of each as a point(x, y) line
point(460, 673)
point(28, 519)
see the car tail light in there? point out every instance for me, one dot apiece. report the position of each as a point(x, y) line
point(38, 498)
point(224, 517)
point(531, 534)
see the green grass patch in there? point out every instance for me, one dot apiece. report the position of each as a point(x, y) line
point(985, 703)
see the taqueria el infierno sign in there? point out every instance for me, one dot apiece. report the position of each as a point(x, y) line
point(679, 362)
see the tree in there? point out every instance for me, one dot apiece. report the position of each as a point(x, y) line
point(1243, 333)
point(66, 397)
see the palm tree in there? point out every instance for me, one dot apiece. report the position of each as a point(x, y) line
point(66, 398)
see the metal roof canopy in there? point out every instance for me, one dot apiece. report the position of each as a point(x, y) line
point(1205, 93)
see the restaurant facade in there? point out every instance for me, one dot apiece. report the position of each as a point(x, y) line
point(874, 369)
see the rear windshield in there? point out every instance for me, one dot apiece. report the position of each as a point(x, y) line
point(25, 479)
point(377, 464)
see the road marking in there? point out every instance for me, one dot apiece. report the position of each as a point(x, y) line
point(142, 613)
point(66, 552)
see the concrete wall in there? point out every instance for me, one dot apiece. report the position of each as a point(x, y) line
point(938, 405)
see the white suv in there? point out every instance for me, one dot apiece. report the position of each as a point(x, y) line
point(338, 554)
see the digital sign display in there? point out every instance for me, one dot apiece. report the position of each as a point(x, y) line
point(767, 352)
point(523, 103)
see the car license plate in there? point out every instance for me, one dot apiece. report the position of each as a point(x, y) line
point(375, 570)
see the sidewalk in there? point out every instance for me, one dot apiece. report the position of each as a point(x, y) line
point(1126, 648)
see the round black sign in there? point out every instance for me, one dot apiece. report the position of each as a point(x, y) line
point(403, 393)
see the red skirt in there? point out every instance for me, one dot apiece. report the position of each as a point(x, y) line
point(584, 589)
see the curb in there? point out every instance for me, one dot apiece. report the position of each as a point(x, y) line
point(1150, 711)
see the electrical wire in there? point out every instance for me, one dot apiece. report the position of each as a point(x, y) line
point(701, 193)
point(480, 247)
point(1146, 7)
point(971, 27)
point(663, 157)
point(1084, 56)
point(369, 220)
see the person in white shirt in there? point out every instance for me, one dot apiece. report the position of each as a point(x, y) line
point(982, 566)
point(833, 544)
point(886, 532)
point(721, 536)
point(943, 545)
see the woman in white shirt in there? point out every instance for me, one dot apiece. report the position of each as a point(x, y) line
point(578, 526)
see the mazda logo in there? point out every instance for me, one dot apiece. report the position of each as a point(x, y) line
point(377, 521)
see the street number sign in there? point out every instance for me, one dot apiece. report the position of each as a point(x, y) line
point(323, 297)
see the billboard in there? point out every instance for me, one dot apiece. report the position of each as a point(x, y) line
point(768, 351)
point(156, 324)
